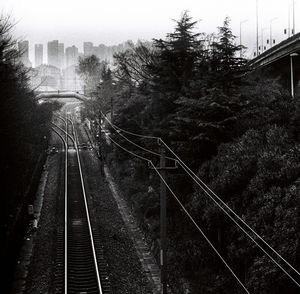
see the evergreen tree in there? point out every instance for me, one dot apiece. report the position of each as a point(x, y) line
point(177, 58)
point(226, 68)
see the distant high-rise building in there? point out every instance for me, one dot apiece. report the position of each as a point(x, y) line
point(38, 54)
point(61, 55)
point(53, 53)
point(71, 56)
point(23, 47)
point(88, 48)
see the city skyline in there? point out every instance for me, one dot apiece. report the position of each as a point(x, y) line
point(115, 22)
point(57, 54)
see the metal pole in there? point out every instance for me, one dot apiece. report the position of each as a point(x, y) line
point(163, 225)
point(111, 109)
point(262, 40)
point(292, 77)
point(271, 40)
point(256, 27)
point(294, 17)
point(100, 149)
point(289, 27)
point(271, 34)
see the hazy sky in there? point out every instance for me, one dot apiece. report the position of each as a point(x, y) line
point(114, 21)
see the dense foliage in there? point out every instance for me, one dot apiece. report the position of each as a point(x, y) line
point(24, 129)
point(239, 130)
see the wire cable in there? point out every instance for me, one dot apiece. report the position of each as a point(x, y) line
point(133, 143)
point(186, 212)
point(205, 188)
point(199, 229)
point(130, 133)
point(128, 151)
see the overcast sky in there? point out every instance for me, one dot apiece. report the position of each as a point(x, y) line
point(115, 21)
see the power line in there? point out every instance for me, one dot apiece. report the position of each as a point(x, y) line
point(130, 133)
point(204, 187)
point(132, 153)
point(201, 184)
point(186, 212)
point(133, 143)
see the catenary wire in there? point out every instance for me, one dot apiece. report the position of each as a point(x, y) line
point(132, 153)
point(130, 133)
point(202, 185)
point(186, 212)
point(133, 143)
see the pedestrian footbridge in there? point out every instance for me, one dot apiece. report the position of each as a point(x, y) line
point(61, 95)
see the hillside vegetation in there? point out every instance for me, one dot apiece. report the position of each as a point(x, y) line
point(237, 129)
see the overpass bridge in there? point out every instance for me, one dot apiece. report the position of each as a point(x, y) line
point(282, 60)
point(61, 95)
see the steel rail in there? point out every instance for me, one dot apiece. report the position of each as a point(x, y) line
point(74, 140)
point(65, 202)
point(87, 210)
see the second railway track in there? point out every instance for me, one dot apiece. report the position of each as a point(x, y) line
point(84, 269)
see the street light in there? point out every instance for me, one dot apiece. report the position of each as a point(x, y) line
point(292, 73)
point(256, 27)
point(271, 41)
point(262, 39)
point(293, 33)
point(241, 22)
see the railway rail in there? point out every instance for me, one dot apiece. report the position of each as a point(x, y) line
point(81, 267)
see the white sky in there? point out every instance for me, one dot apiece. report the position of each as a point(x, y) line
point(114, 21)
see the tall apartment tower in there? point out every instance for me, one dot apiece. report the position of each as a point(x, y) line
point(61, 55)
point(88, 48)
point(52, 47)
point(71, 56)
point(38, 54)
point(23, 47)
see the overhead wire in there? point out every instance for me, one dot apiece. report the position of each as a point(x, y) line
point(137, 145)
point(185, 211)
point(132, 153)
point(130, 133)
point(199, 229)
point(205, 188)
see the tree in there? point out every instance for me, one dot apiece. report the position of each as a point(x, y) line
point(25, 130)
point(177, 58)
point(89, 68)
point(226, 68)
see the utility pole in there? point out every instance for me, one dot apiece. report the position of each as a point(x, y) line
point(100, 149)
point(163, 220)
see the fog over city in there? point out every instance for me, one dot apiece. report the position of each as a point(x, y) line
point(114, 22)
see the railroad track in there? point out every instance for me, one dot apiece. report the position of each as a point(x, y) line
point(80, 264)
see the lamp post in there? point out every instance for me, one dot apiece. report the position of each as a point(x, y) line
point(241, 22)
point(293, 33)
point(271, 41)
point(292, 73)
point(256, 27)
point(262, 39)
